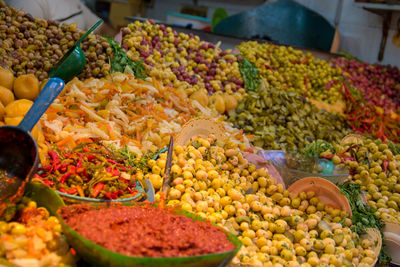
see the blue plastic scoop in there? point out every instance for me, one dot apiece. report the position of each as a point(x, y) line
point(19, 155)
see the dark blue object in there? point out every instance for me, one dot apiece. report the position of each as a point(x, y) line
point(285, 22)
point(19, 155)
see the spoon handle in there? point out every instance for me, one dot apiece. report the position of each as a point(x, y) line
point(88, 32)
point(50, 91)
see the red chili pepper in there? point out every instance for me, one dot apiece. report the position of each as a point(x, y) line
point(90, 157)
point(111, 161)
point(61, 167)
point(380, 134)
point(62, 190)
point(268, 67)
point(65, 176)
point(54, 156)
point(111, 195)
point(112, 171)
point(79, 164)
point(367, 112)
point(369, 120)
point(328, 156)
point(72, 191)
point(97, 189)
point(348, 93)
point(84, 172)
point(86, 149)
point(131, 191)
point(48, 182)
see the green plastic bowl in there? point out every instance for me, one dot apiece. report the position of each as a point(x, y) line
point(97, 255)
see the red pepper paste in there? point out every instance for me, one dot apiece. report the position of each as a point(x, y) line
point(145, 231)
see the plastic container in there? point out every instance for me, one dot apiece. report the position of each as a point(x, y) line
point(144, 194)
point(392, 241)
point(201, 126)
point(327, 192)
point(149, 193)
point(292, 167)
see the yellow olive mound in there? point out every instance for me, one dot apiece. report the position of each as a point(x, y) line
point(212, 178)
point(26, 86)
point(6, 78)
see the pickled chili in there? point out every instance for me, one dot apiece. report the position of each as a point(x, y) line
point(145, 231)
point(92, 170)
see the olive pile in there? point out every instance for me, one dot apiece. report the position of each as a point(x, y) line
point(284, 120)
point(290, 69)
point(33, 45)
point(277, 228)
point(377, 170)
point(182, 60)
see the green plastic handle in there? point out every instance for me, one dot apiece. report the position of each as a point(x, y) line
point(88, 32)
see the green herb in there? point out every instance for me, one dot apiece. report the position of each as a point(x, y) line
point(250, 74)
point(364, 216)
point(133, 160)
point(314, 149)
point(348, 56)
point(394, 148)
point(122, 63)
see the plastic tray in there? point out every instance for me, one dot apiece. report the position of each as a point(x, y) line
point(279, 159)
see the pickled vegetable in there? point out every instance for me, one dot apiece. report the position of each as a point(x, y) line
point(284, 120)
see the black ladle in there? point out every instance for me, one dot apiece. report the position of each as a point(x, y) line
point(19, 155)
